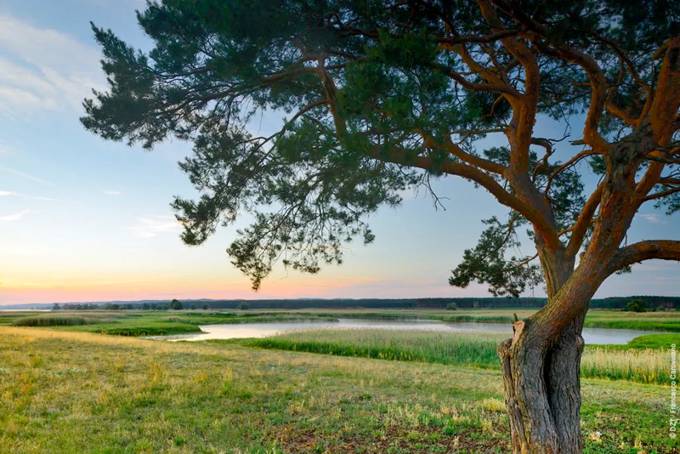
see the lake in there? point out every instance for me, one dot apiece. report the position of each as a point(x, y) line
point(249, 330)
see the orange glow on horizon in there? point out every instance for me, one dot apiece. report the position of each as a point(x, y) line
point(71, 290)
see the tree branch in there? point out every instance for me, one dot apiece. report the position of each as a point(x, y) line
point(580, 228)
point(458, 152)
point(532, 213)
point(645, 250)
point(661, 194)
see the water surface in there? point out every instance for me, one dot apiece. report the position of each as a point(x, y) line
point(249, 330)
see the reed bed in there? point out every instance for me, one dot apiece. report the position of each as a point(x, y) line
point(53, 321)
point(640, 365)
point(478, 350)
point(422, 346)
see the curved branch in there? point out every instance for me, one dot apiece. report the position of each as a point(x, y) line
point(580, 228)
point(562, 167)
point(531, 212)
point(661, 194)
point(458, 152)
point(598, 82)
point(645, 250)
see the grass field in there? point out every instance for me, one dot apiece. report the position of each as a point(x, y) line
point(80, 392)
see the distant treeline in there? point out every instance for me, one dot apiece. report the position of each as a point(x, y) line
point(619, 302)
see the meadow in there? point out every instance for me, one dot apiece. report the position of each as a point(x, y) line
point(64, 391)
point(67, 384)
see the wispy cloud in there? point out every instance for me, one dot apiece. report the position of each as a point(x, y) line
point(43, 68)
point(112, 192)
point(6, 149)
point(26, 196)
point(152, 226)
point(26, 176)
point(14, 216)
point(652, 218)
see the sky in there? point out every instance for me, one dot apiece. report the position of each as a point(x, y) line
point(83, 219)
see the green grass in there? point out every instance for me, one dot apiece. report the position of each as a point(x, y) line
point(391, 345)
point(658, 324)
point(52, 320)
point(68, 392)
point(616, 363)
point(657, 341)
point(146, 323)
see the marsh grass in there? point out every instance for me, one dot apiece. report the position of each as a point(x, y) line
point(150, 323)
point(596, 318)
point(479, 350)
point(640, 365)
point(390, 345)
point(54, 321)
point(147, 323)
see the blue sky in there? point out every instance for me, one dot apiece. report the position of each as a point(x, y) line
point(83, 219)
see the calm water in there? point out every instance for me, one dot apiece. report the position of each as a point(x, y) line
point(245, 330)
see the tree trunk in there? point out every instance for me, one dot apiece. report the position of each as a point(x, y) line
point(542, 386)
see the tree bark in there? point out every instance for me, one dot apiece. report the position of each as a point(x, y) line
point(541, 371)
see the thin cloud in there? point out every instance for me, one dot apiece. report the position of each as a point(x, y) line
point(652, 218)
point(41, 198)
point(152, 226)
point(113, 193)
point(6, 149)
point(42, 68)
point(25, 196)
point(14, 216)
point(26, 176)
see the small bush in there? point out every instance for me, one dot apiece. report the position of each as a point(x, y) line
point(451, 307)
point(636, 306)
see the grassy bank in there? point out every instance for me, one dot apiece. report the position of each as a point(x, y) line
point(79, 392)
point(644, 365)
point(658, 341)
point(147, 323)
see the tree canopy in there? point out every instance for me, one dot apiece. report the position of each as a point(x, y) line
point(382, 96)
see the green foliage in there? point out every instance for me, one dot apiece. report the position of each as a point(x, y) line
point(176, 305)
point(488, 263)
point(359, 82)
point(451, 307)
point(636, 306)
